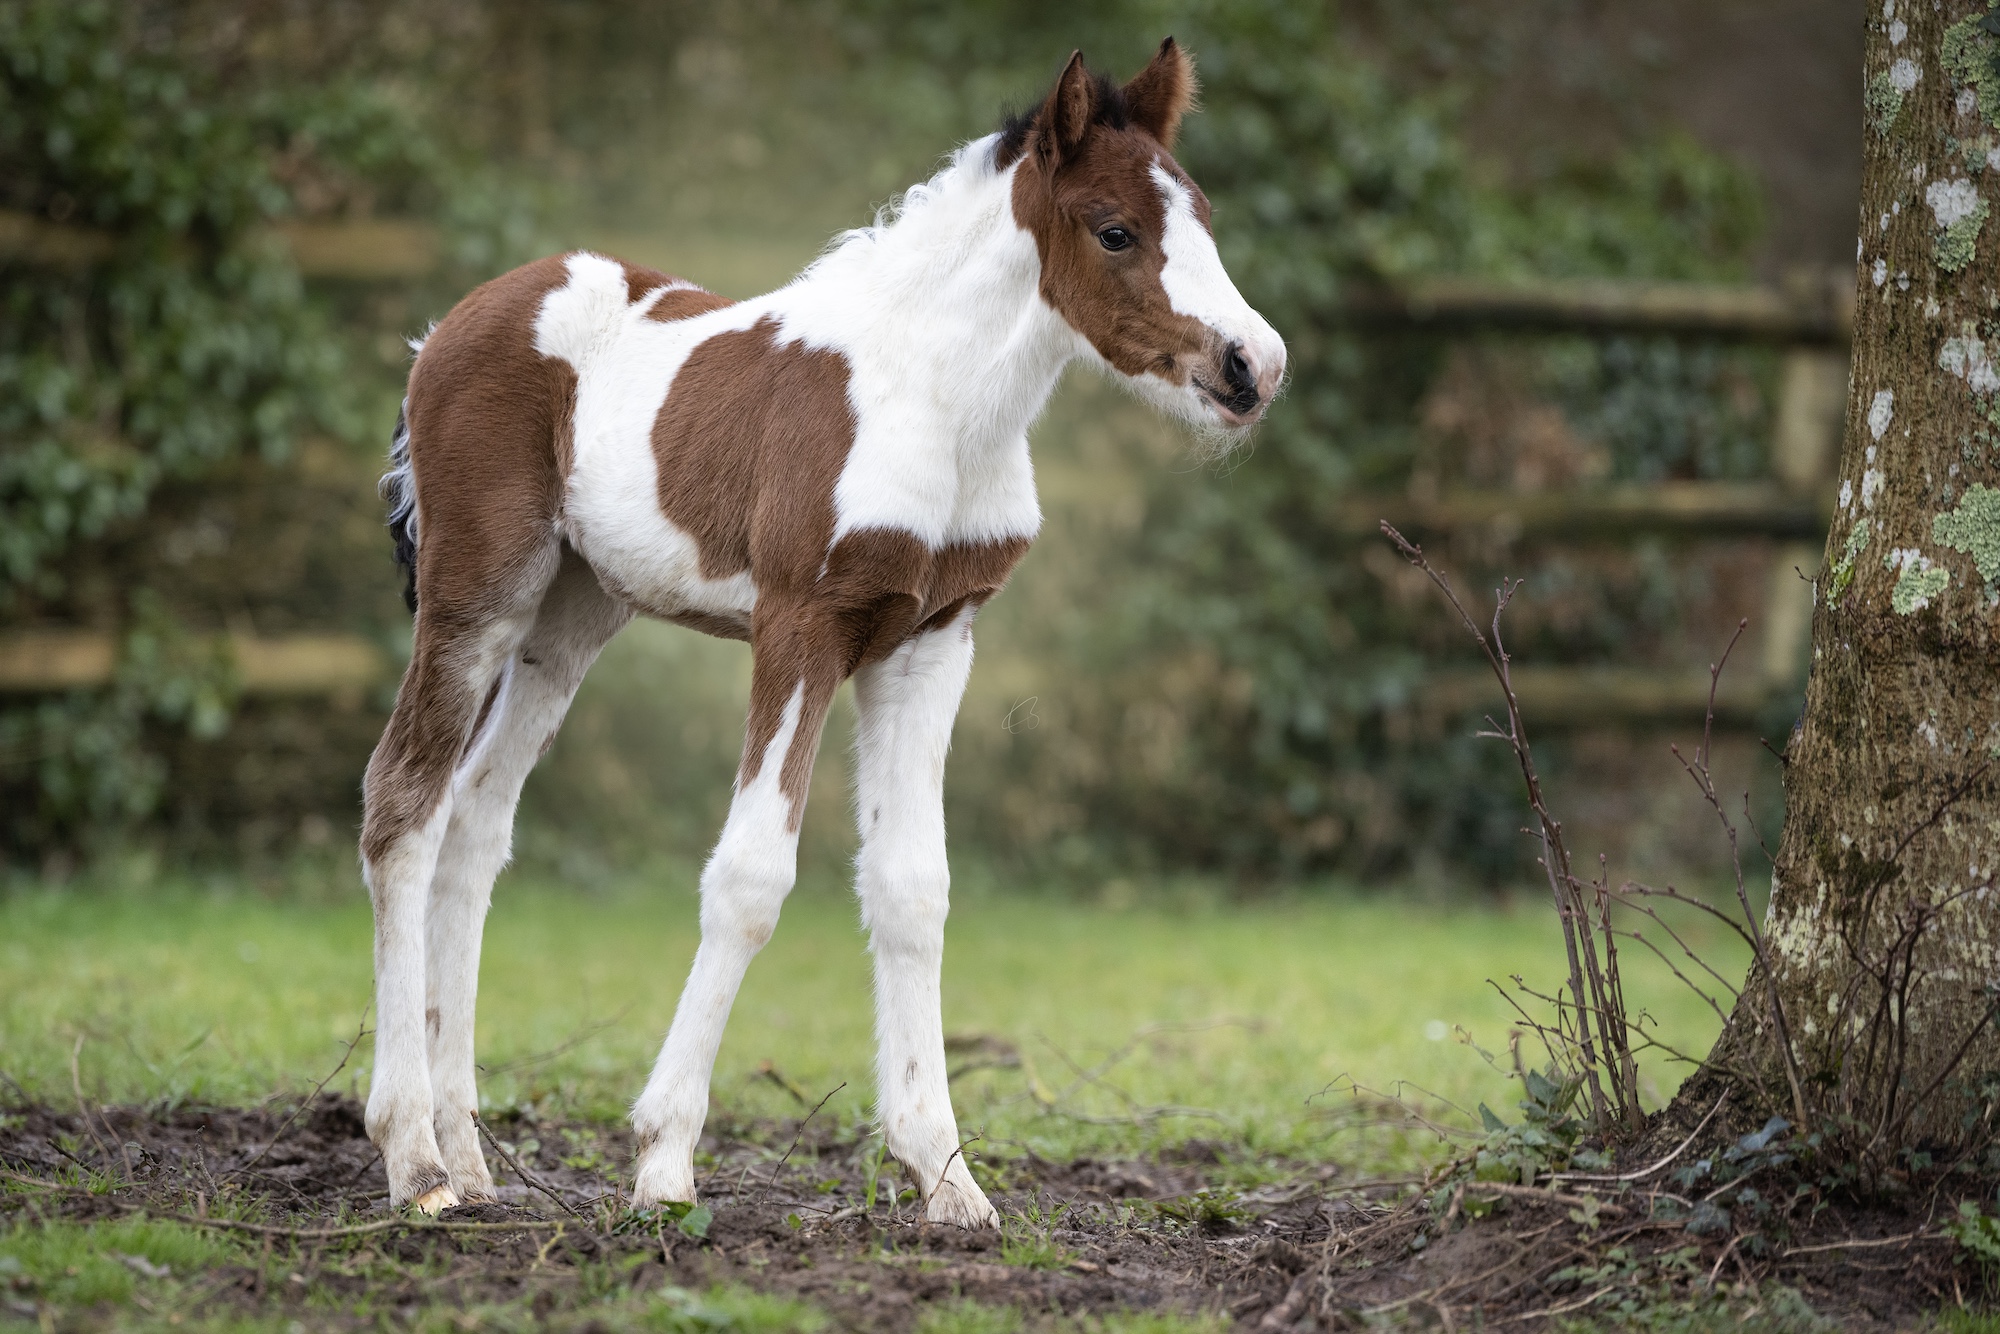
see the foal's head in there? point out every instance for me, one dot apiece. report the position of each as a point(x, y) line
point(1127, 256)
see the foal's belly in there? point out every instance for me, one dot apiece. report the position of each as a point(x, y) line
point(612, 516)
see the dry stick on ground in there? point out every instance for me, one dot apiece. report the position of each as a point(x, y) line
point(526, 1176)
point(1645, 1172)
point(360, 1032)
point(83, 1108)
point(44, 1183)
point(799, 1135)
point(1919, 1235)
point(361, 1229)
point(1605, 1028)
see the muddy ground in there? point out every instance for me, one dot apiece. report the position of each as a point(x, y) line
point(303, 1191)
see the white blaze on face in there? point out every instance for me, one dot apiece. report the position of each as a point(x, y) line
point(1198, 286)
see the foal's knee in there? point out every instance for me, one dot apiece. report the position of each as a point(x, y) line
point(741, 897)
point(904, 907)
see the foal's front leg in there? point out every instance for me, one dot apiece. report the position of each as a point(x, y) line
point(906, 704)
point(742, 888)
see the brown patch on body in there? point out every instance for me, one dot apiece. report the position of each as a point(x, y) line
point(750, 444)
point(1087, 175)
point(490, 421)
point(492, 427)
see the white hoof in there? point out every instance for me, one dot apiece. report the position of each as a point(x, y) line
point(961, 1204)
point(435, 1201)
point(662, 1181)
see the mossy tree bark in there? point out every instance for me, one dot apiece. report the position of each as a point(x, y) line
point(1884, 941)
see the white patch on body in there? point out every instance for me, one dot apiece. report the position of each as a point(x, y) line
point(624, 364)
point(1199, 287)
point(1904, 74)
point(951, 355)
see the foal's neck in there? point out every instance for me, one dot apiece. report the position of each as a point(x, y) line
point(945, 299)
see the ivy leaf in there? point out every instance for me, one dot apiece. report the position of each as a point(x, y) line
point(694, 1223)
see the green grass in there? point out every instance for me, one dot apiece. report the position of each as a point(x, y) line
point(1235, 1018)
point(965, 1317)
point(73, 1264)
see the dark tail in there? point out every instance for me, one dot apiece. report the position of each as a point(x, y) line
point(399, 488)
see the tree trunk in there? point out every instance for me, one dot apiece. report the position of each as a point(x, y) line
point(1881, 938)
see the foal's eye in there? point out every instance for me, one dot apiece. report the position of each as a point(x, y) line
point(1114, 238)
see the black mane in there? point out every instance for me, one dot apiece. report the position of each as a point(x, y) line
point(1109, 111)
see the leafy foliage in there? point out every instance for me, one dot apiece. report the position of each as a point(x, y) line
point(1545, 1140)
point(1978, 1236)
point(159, 334)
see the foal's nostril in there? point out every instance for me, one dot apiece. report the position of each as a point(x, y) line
point(1236, 371)
point(1240, 381)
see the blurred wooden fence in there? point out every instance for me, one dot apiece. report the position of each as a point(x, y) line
point(1810, 320)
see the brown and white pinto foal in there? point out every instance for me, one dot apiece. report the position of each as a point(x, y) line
point(837, 472)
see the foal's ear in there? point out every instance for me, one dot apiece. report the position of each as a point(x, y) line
point(1066, 116)
point(1160, 94)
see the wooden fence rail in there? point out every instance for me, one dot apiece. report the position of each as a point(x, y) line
point(42, 660)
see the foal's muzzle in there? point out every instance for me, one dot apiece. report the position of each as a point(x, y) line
point(1244, 383)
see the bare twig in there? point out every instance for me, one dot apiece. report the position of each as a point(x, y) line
point(1645, 1172)
point(527, 1177)
point(1599, 1038)
point(768, 1185)
point(1921, 1234)
point(360, 1032)
point(82, 1106)
point(1702, 774)
point(363, 1229)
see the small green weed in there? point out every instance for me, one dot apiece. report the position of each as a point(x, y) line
point(1644, 1292)
point(678, 1311)
point(1544, 1141)
point(871, 1172)
point(1978, 1236)
point(967, 1317)
point(1211, 1210)
point(585, 1153)
point(1027, 1238)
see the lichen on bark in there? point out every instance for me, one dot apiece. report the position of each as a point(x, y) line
point(1973, 528)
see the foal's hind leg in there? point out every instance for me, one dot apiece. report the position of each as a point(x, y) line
point(576, 619)
point(906, 704)
point(459, 652)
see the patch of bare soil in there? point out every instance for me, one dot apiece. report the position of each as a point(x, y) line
point(790, 1214)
